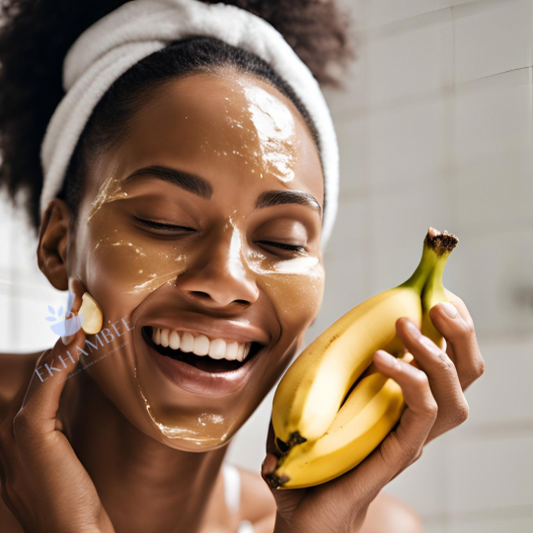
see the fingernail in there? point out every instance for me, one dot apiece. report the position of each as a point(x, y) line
point(387, 359)
point(449, 309)
point(413, 330)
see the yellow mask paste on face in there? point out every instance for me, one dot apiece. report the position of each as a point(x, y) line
point(128, 265)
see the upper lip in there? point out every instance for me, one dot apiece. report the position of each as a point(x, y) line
point(232, 330)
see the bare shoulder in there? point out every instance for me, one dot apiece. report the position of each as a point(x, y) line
point(257, 503)
point(388, 513)
point(15, 372)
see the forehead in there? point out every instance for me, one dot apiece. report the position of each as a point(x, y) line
point(224, 126)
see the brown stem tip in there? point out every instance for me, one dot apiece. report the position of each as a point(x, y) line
point(274, 481)
point(441, 242)
point(296, 438)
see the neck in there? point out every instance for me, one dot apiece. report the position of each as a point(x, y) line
point(143, 484)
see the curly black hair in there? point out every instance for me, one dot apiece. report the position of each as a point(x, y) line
point(35, 36)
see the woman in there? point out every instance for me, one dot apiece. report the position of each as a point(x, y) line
point(193, 209)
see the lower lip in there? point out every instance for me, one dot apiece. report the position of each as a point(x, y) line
point(198, 381)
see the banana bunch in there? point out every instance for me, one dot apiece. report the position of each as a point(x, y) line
point(332, 409)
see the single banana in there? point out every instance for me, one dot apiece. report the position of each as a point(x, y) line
point(369, 413)
point(310, 393)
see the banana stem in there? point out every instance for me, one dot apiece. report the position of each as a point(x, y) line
point(432, 294)
point(436, 244)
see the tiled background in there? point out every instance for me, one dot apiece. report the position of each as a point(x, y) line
point(435, 129)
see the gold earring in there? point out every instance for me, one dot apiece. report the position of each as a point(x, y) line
point(93, 317)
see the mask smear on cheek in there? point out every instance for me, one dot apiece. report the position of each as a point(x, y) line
point(179, 431)
point(144, 266)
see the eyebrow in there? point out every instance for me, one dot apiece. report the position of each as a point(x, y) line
point(202, 188)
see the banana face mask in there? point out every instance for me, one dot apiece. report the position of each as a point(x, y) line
point(208, 211)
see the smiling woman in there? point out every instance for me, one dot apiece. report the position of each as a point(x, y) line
point(192, 206)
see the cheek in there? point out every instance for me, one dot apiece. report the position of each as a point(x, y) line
point(121, 269)
point(295, 287)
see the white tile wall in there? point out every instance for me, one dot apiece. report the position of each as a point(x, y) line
point(496, 271)
point(405, 144)
point(522, 524)
point(491, 37)
point(490, 473)
point(399, 220)
point(493, 117)
point(378, 13)
point(410, 58)
point(504, 397)
point(435, 128)
point(505, 203)
point(434, 528)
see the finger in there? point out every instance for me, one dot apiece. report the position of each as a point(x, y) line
point(441, 371)
point(462, 342)
point(460, 306)
point(403, 444)
point(37, 413)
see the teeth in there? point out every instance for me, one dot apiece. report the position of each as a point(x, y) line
point(232, 349)
point(187, 342)
point(201, 345)
point(217, 349)
point(174, 340)
point(164, 337)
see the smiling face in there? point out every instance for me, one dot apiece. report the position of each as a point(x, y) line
point(206, 220)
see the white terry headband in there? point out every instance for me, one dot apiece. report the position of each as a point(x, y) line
point(112, 45)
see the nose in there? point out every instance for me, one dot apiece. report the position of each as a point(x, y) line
point(217, 276)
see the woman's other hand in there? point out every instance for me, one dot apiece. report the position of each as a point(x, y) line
point(43, 483)
point(433, 390)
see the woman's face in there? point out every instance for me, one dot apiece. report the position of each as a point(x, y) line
point(220, 237)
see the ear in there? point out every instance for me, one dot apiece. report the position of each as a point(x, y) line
point(52, 246)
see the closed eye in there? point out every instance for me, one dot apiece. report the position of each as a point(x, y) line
point(284, 246)
point(161, 225)
point(172, 227)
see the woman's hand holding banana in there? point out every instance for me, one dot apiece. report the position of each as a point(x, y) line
point(435, 402)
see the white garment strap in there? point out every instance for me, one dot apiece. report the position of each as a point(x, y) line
point(246, 527)
point(232, 491)
point(232, 487)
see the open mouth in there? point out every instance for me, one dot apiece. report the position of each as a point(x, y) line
point(205, 363)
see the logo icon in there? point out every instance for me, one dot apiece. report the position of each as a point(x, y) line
point(69, 325)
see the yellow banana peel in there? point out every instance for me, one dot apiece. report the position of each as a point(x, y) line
point(332, 407)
